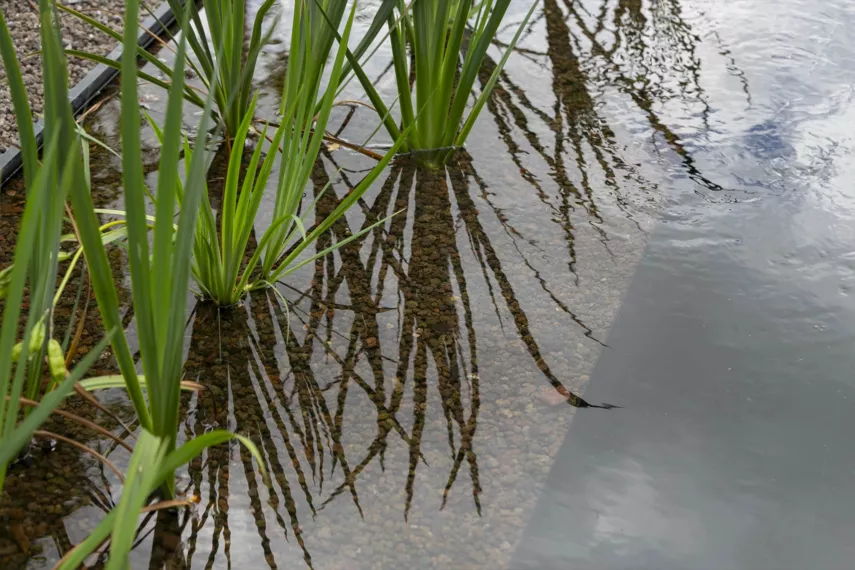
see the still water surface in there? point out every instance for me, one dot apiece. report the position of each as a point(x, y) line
point(428, 400)
point(732, 350)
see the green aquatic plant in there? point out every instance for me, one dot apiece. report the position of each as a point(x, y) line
point(222, 58)
point(19, 359)
point(160, 272)
point(28, 357)
point(152, 465)
point(24, 364)
point(219, 46)
point(220, 267)
point(448, 40)
point(43, 266)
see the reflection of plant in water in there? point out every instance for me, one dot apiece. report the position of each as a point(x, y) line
point(636, 47)
point(428, 327)
point(261, 381)
point(245, 392)
point(580, 132)
point(488, 259)
point(651, 45)
point(430, 281)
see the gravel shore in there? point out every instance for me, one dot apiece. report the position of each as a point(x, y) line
point(22, 19)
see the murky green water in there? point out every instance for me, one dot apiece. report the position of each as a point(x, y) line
point(413, 399)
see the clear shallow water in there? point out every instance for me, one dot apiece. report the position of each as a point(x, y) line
point(409, 405)
point(733, 344)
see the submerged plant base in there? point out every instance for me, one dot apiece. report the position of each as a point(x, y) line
point(435, 158)
point(209, 302)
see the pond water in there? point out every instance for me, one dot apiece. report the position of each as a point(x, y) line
point(614, 333)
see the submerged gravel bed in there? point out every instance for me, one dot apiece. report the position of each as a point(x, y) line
point(23, 21)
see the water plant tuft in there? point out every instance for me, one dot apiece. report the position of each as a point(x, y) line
point(219, 265)
point(448, 41)
point(34, 270)
point(160, 272)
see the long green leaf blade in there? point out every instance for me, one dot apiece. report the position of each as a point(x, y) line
point(143, 472)
point(132, 179)
point(488, 88)
point(167, 183)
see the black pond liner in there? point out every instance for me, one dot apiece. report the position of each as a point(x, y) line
point(83, 94)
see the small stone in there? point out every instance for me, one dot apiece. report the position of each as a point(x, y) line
point(20, 536)
point(550, 396)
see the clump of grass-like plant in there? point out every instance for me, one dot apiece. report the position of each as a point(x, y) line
point(219, 253)
point(160, 272)
point(448, 40)
point(24, 364)
point(43, 266)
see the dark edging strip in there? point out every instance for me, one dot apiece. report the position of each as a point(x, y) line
point(82, 94)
